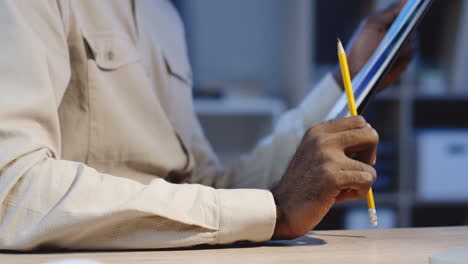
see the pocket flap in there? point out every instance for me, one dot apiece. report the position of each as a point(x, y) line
point(178, 67)
point(111, 50)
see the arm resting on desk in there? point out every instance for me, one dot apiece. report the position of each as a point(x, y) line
point(49, 201)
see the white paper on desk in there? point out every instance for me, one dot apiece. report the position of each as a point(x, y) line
point(73, 261)
point(366, 81)
point(454, 256)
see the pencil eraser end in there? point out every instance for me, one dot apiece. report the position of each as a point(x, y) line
point(372, 216)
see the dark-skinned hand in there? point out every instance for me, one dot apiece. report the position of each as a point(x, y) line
point(332, 164)
point(367, 38)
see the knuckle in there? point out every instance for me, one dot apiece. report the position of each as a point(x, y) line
point(374, 175)
point(310, 132)
point(368, 178)
point(364, 168)
point(329, 173)
point(329, 157)
point(348, 179)
point(374, 135)
point(338, 122)
point(326, 169)
point(347, 136)
point(321, 141)
point(369, 135)
point(332, 123)
point(370, 173)
point(318, 128)
point(358, 121)
point(313, 133)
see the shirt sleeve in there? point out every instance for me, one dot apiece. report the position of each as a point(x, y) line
point(49, 202)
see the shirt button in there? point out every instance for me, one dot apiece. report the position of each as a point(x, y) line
point(110, 55)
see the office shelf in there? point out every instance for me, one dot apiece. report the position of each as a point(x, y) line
point(241, 106)
point(441, 97)
point(234, 126)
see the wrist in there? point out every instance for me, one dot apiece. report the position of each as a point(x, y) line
point(281, 226)
point(279, 232)
point(279, 215)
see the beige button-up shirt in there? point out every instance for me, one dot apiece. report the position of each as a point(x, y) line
point(99, 143)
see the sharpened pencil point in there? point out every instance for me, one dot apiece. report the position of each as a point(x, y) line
point(340, 47)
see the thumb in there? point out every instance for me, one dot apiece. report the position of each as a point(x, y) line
point(389, 14)
point(401, 4)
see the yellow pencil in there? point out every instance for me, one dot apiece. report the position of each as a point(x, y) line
point(352, 110)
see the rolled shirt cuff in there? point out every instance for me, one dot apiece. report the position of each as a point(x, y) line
point(245, 215)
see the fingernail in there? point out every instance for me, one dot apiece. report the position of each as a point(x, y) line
point(369, 125)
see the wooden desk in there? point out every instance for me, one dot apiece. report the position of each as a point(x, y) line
point(370, 246)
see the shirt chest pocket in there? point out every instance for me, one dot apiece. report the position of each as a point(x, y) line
point(127, 119)
point(110, 50)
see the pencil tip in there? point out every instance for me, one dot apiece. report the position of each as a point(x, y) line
point(340, 47)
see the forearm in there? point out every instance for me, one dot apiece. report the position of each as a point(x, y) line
point(48, 202)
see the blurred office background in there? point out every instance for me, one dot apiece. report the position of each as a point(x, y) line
point(253, 59)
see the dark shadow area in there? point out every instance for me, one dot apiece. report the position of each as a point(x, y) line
point(54, 250)
point(307, 240)
point(340, 236)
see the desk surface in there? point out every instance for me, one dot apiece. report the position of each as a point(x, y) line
point(413, 245)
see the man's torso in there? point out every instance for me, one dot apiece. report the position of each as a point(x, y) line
point(128, 108)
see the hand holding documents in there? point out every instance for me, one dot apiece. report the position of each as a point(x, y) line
point(367, 81)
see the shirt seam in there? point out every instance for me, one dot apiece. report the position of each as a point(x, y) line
point(88, 94)
point(218, 233)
